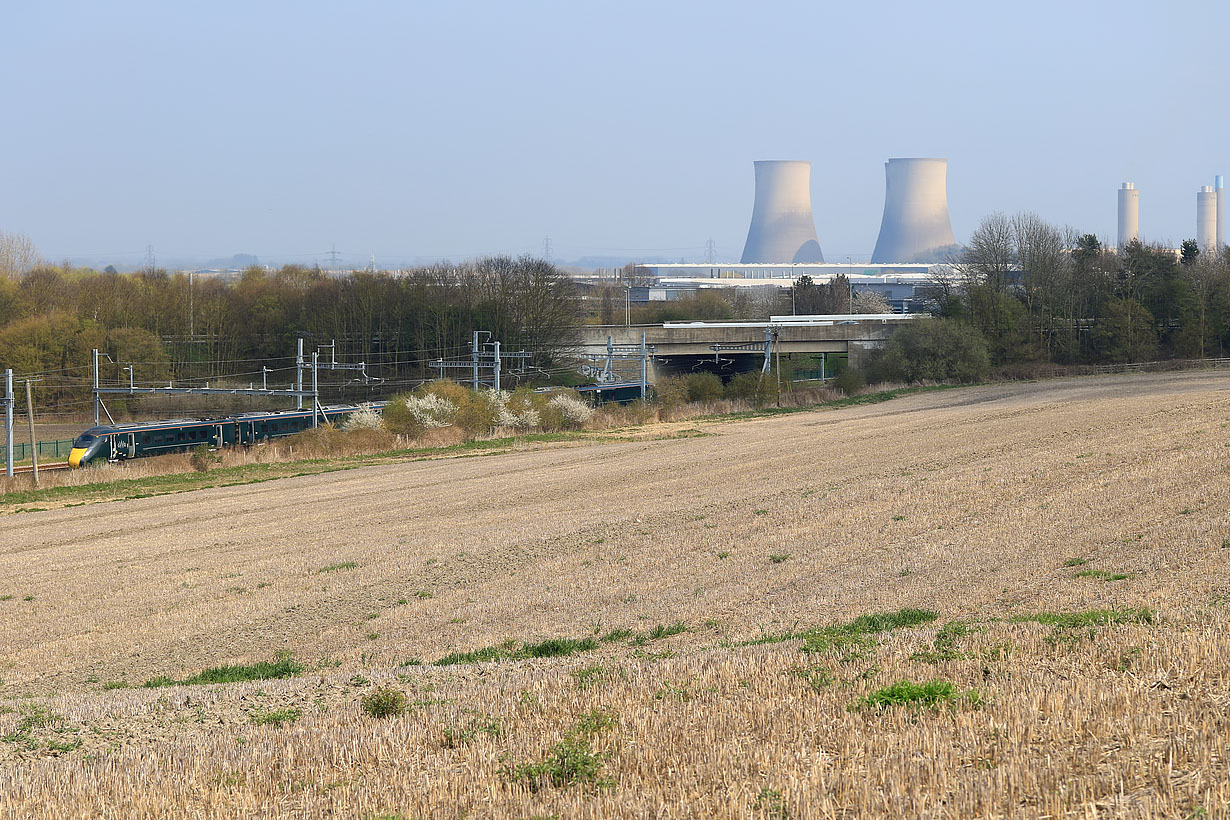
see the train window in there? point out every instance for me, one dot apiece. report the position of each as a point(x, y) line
point(181, 436)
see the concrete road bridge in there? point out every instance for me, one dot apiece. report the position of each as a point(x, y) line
point(680, 347)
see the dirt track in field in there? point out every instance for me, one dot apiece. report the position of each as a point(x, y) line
point(967, 502)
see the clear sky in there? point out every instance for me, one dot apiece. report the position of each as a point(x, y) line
point(432, 129)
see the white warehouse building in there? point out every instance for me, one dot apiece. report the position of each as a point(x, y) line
point(896, 281)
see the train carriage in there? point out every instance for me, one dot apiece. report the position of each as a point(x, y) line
point(116, 442)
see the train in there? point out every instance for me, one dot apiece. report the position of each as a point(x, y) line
point(116, 442)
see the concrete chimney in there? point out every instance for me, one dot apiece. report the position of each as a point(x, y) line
point(1129, 213)
point(1206, 218)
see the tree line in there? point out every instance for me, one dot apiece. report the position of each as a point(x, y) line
point(1036, 292)
point(173, 325)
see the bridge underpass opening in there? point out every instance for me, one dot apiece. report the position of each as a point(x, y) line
point(796, 366)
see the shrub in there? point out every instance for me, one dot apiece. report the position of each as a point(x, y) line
point(849, 381)
point(671, 393)
point(438, 404)
point(566, 411)
point(202, 458)
point(384, 702)
point(753, 386)
point(369, 418)
point(935, 350)
point(703, 386)
point(519, 410)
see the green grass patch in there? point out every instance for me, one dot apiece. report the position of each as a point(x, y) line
point(462, 734)
point(659, 632)
point(511, 651)
point(928, 695)
point(571, 762)
point(284, 667)
point(275, 717)
point(944, 647)
point(337, 567)
point(1089, 617)
point(1072, 627)
point(1103, 575)
point(853, 638)
point(1075, 562)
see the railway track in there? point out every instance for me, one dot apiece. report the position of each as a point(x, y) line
point(28, 468)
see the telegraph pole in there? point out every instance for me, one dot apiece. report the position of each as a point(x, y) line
point(474, 357)
point(644, 367)
point(8, 422)
point(299, 374)
point(496, 366)
point(315, 388)
point(97, 399)
point(33, 441)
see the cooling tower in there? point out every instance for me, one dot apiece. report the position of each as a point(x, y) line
point(915, 227)
point(1206, 218)
point(782, 229)
point(1218, 188)
point(1129, 213)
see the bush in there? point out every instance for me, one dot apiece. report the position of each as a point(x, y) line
point(565, 410)
point(368, 418)
point(754, 386)
point(384, 702)
point(934, 350)
point(672, 392)
point(520, 410)
point(849, 381)
point(437, 404)
point(202, 458)
point(703, 386)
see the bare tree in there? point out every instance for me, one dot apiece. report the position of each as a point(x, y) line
point(1045, 270)
point(1203, 275)
point(18, 256)
point(990, 257)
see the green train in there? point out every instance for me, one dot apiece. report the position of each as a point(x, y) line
point(115, 442)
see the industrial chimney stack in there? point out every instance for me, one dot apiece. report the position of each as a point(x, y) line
point(782, 229)
point(1206, 218)
point(1129, 213)
point(1218, 188)
point(915, 227)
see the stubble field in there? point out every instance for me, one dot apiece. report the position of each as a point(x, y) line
point(1050, 558)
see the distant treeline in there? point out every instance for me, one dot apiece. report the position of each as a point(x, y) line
point(168, 327)
point(1038, 293)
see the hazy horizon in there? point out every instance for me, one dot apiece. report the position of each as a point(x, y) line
point(618, 130)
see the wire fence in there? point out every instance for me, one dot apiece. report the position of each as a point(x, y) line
point(58, 449)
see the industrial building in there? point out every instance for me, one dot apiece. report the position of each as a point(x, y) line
point(897, 282)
